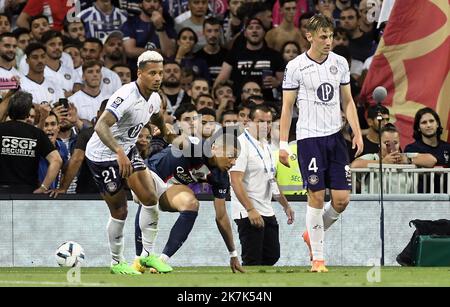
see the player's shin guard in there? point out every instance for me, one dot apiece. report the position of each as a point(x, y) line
point(180, 232)
point(148, 223)
point(329, 215)
point(115, 236)
point(314, 225)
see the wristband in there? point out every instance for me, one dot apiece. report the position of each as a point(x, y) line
point(285, 146)
point(233, 254)
point(248, 210)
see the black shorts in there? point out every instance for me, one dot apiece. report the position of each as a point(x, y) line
point(324, 162)
point(106, 174)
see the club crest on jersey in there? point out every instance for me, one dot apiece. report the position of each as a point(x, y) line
point(150, 110)
point(106, 81)
point(67, 76)
point(111, 187)
point(325, 92)
point(313, 180)
point(51, 90)
point(117, 102)
point(333, 69)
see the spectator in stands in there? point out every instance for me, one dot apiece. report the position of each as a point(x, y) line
point(23, 39)
point(38, 26)
point(51, 129)
point(42, 88)
point(198, 9)
point(152, 29)
point(212, 52)
point(89, 98)
point(427, 133)
point(77, 166)
point(390, 154)
point(325, 7)
point(8, 46)
point(224, 97)
point(185, 53)
point(364, 24)
point(123, 71)
point(204, 101)
point(102, 18)
point(371, 139)
point(171, 86)
point(199, 86)
point(232, 24)
point(74, 50)
point(55, 68)
point(290, 51)
point(256, 60)
point(5, 23)
point(55, 11)
point(188, 120)
point(74, 29)
point(354, 73)
point(253, 186)
point(302, 23)
point(113, 51)
point(31, 119)
point(340, 37)
point(229, 118)
point(143, 141)
point(340, 5)
point(243, 114)
point(249, 88)
point(187, 76)
point(21, 148)
point(209, 125)
point(286, 31)
point(361, 43)
point(92, 50)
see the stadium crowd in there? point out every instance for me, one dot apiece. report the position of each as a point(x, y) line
point(218, 66)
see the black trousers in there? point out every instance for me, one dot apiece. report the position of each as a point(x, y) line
point(260, 246)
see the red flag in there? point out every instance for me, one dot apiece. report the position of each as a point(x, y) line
point(413, 63)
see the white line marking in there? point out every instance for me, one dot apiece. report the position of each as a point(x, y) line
point(52, 283)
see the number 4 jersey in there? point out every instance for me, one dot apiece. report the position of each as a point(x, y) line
point(132, 111)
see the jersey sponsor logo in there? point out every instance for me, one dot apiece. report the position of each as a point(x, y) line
point(134, 131)
point(17, 146)
point(348, 174)
point(106, 81)
point(67, 76)
point(325, 92)
point(313, 179)
point(306, 67)
point(117, 102)
point(333, 69)
point(150, 110)
point(51, 90)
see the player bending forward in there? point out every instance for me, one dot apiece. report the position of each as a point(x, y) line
point(318, 80)
point(115, 162)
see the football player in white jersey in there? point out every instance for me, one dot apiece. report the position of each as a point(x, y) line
point(318, 80)
point(8, 47)
point(115, 162)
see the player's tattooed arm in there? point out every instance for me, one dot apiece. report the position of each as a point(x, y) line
point(158, 120)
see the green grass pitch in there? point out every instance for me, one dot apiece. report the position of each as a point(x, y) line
point(222, 277)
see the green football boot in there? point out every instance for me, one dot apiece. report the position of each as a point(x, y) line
point(153, 261)
point(124, 269)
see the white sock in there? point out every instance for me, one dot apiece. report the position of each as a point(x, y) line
point(329, 215)
point(148, 222)
point(314, 225)
point(164, 257)
point(115, 236)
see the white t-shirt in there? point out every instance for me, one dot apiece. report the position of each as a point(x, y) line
point(66, 60)
point(8, 73)
point(87, 105)
point(132, 112)
point(63, 76)
point(318, 93)
point(256, 180)
point(47, 91)
point(110, 81)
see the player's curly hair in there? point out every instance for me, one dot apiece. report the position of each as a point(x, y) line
point(319, 21)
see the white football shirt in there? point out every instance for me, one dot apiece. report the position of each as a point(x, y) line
point(87, 105)
point(8, 73)
point(110, 80)
point(318, 93)
point(47, 91)
point(132, 112)
point(66, 60)
point(62, 77)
